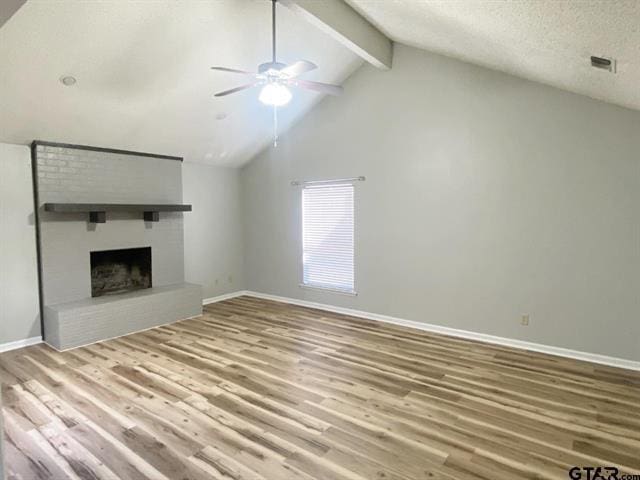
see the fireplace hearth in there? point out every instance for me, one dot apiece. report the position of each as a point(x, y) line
point(120, 271)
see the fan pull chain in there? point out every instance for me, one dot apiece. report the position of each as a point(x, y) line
point(275, 126)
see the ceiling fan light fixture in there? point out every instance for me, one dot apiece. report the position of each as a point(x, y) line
point(275, 94)
point(274, 77)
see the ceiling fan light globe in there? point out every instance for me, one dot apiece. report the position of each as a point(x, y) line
point(275, 94)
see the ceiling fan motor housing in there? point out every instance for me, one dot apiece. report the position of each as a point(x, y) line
point(265, 67)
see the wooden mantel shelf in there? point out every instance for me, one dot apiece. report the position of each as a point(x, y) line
point(97, 211)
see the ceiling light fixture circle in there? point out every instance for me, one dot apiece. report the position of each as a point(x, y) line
point(68, 80)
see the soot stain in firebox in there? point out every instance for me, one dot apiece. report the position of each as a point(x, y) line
point(120, 271)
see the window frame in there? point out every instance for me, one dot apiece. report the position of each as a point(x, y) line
point(307, 286)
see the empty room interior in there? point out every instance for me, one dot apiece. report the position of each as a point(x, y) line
point(320, 239)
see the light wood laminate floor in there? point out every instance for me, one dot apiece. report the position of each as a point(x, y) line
point(255, 389)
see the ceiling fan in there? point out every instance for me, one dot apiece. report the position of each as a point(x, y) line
point(275, 77)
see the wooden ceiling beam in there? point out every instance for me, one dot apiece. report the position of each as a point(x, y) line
point(347, 26)
point(8, 8)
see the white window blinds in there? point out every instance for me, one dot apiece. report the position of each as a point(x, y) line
point(327, 237)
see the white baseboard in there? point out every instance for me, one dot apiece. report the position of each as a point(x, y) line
point(226, 296)
point(520, 344)
point(5, 347)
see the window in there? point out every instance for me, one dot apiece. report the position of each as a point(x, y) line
point(327, 237)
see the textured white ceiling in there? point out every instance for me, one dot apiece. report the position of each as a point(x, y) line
point(143, 74)
point(549, 41)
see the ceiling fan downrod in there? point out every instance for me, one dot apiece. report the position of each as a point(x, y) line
point(273, 30)
point(274, 63)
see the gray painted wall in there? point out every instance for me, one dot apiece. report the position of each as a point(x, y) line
point(19, 310)
point(487, 197)
point(2, 474)
point(213, 230)
point(75, 175)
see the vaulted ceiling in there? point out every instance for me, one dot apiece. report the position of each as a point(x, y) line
point(549, 41)
point(143, 77)
point(144, 83)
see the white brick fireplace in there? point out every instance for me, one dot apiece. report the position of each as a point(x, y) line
point(68, 174)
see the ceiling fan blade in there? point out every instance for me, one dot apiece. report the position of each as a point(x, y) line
point(237, 89)
point(233, 70)
point(298, 68)
point(318, 87)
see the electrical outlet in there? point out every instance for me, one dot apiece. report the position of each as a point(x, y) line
point(230, 279)
point(524, 320)
point(216, 281)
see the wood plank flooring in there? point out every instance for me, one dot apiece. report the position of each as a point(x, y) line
point(255, 389)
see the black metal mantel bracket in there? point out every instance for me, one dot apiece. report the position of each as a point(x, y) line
point(97, 217)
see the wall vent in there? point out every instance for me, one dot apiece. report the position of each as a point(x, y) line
point(604, 63)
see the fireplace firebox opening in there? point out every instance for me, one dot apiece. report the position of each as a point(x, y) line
point(120, 271)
